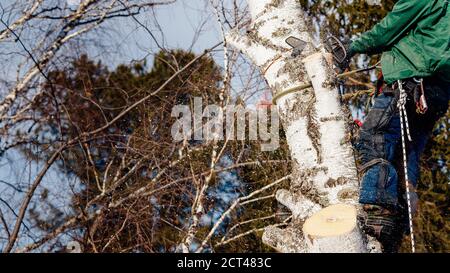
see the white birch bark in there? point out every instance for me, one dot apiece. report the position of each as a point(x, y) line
point(324, 170)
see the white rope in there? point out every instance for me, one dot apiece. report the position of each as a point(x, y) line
point(404, 121)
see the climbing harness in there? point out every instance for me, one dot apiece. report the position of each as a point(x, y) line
point(372, 163)
point(401, 104)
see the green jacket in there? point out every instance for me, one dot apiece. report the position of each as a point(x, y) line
point(414, 38)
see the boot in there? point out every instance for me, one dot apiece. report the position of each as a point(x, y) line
point(383, 224)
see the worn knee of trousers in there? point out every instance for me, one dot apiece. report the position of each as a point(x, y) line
point(376, 146)
point(379, 186)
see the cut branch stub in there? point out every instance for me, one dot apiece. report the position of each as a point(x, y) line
point(334, 229)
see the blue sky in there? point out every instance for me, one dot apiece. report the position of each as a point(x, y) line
point(179, 23)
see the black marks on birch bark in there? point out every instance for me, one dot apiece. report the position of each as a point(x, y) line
point(258, 24)
point(313, 132)
point(281, 32)
point(331, 118)
point(347, 194)
point(304, 103)
point(330, 81)
point(304, 184)
point(351, 128)
point(294, 68)
point(331, 183)
point(304, 177)
point(303, 107)
point(274, 4)
point(256, 38)
point(265, 66)
point(317, 197)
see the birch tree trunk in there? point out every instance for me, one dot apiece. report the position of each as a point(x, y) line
point(324, 171)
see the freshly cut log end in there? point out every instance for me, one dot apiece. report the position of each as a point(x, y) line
point(334, 230)
point(331, 221)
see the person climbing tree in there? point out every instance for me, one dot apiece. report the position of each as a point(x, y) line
point(414, 39)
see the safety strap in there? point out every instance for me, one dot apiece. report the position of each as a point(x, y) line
point(371, 163)
point(401, 104)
